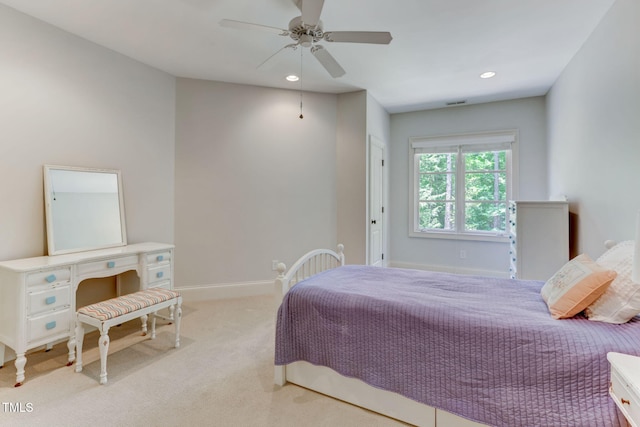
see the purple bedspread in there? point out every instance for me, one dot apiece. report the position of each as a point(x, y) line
point(483, 348)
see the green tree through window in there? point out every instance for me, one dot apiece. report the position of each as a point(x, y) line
point(461, 188)
point(436, 203)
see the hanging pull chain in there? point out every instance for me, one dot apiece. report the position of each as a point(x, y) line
point(301, 116)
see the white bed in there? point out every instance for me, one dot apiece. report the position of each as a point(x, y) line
point(349, 389)
point(326, 381)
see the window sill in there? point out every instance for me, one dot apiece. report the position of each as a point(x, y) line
point(478, 237)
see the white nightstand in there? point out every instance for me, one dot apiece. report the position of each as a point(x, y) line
point(625, 385)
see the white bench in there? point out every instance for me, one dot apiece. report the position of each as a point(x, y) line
point(105, 314)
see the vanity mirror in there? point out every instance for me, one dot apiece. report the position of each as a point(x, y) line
point(84, 209)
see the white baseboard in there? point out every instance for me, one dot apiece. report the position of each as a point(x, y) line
point(450, 269)
point(226, 290)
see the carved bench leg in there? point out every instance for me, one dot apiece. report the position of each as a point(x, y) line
point(103, 344)
point(178, 318)
point(79, 341)
point(154, 316)
point(144, 319)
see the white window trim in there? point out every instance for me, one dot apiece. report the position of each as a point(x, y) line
point(477, 139)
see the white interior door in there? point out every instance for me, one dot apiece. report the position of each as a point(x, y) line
point(376, 207)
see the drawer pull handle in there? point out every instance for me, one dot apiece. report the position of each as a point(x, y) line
point(111, 264)
point(625, 401)
point(159, 258)
point(50, 300)
point(159, 274)
point(50, 325)
point(50, 278)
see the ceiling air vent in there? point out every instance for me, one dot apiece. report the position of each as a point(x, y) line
point(454, 103)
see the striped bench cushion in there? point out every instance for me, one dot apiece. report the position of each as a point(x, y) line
point(124, 304)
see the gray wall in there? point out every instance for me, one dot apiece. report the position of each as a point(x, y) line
point(70, 102)
point(360, 117)
point(594, 131)
point(351, 174)
point(526, 115)
point(254, 183)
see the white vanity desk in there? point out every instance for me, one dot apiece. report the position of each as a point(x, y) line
point(38, 295)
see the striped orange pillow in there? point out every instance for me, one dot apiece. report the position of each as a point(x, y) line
point(575, 286)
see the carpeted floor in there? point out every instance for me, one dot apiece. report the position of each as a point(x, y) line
point(222, 375)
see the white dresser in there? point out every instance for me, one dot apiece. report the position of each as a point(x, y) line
point(625, 385)
point(38, 295)
point(538, 237)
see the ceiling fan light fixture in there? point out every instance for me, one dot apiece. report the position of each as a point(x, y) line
point(292, 78)
point(305, 40)
point(487, 74)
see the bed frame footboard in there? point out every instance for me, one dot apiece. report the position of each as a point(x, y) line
point(313, 262)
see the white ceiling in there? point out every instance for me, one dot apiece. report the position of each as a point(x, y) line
point(438, 51)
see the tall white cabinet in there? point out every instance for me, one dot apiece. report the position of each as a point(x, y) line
point(538, 237)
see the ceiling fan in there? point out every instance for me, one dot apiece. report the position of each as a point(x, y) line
point(307, 30)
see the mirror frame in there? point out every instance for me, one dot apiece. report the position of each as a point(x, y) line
point(48, 191)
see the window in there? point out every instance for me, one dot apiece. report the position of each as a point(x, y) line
point(461, 185)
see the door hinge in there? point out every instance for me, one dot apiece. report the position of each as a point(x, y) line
point(383, 209)
point(382, 256)
point(382, 162)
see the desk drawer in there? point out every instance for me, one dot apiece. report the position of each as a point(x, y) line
point(48, 325)
point(626, 397)
point(48, 277)
point(158, 257)
point(159, 273)
point(106, 266)
point(48, 299)
point(166, 285)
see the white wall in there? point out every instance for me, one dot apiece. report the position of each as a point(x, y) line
point(594, 130)
point(67, 101)
point(526, 115)
point(254, 183)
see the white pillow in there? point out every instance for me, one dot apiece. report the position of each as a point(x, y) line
point(621, 301)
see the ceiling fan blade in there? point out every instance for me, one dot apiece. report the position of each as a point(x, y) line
point(327, 61)
point(376, 37)
point(311, 10)
point(230, 23)
point(267, 63)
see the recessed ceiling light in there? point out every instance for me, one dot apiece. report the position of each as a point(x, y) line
point(487, 74)
point(292, 78)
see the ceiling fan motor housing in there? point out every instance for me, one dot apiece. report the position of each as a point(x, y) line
point(305, 34)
